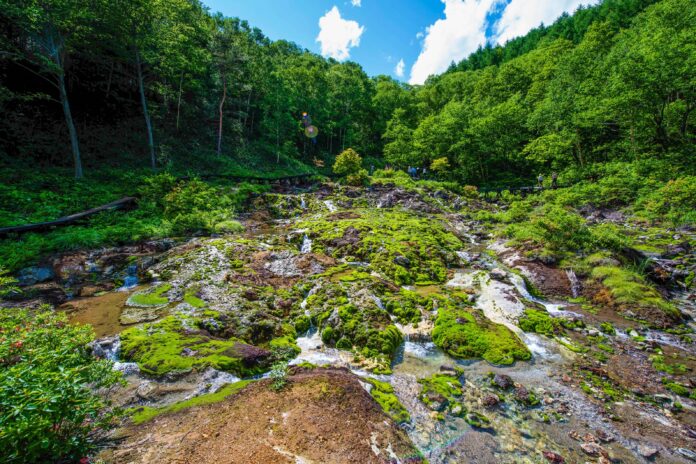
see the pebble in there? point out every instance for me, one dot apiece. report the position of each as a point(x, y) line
point(687, 453)
point(591, 449)
point(553, 457)
point(647, 451)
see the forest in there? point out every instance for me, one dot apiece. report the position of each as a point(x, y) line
point(274, 253)
point(170, 81)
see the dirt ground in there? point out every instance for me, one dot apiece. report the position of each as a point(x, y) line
point(321, 416)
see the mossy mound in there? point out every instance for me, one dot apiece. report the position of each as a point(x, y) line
point(146, 413)
point(404, 247)
point(629, 291)
point(408, 307)
point(350, 319)
point(152, 297)
point(383, 393)
point(464, 333)
point(442, 392)
point(176, 344)
point(540, 322)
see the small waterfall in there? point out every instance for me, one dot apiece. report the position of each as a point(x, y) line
point(131, 279)
point(303, 204)
point(306, 245)
point(330, 205)
point(574, 282)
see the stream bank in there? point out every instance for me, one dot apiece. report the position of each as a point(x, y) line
point(399, 293)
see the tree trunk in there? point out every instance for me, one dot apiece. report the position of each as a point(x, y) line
point(222, 102)
point(77, 160)
point(178, 103)
point(108, 83)
point(146, 113)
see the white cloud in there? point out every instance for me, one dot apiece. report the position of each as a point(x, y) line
point(453, 38)
point(420, 35)
point(356, 3)
point(463, 29)
point(399, 69)
point(337, 35)
point(520, 16)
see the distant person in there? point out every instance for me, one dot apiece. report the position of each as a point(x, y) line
point(540, 182)
point(554, 180)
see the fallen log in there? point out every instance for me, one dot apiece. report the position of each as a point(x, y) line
point(71, 219)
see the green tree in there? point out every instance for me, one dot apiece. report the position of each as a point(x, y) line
point(49, 406)
point(50, 31)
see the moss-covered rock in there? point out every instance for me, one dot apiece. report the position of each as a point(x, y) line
point(152, 297)
point(442, 393)
point(464, 332)
point(176, 345)
point(631, 294)
point(406, 248)
point(538, 321)
point(383, 393)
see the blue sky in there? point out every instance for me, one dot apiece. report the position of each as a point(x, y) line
point(426, 34)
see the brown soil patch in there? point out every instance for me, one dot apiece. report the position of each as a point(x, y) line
point(342, 215)
point(551, 281)
point(321, 416)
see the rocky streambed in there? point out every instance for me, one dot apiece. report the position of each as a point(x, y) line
point(411, 333)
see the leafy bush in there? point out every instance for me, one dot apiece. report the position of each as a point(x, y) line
point(49, 408)
point(555, 228)
point(357, 179)
point(155, 188)
point(440, 166)
point(279, 375)
point(676, 201)
point(348, 162)
point(7, 284)
point(228, 227)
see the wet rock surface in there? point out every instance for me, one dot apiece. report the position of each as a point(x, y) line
point(396, 286)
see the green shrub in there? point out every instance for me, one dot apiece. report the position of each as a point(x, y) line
point(279, 375)
point(440, 166)
point(358, 178)
point(49, 408)
point(229, 227)
point(675, 201)
point(7, 283)
point(348, 162)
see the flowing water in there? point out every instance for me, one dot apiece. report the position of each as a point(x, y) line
point(518, 435)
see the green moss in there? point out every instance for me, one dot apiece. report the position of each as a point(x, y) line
point(629, 288)
point(541, 322)
point(284, 348)
point(302, 324)
point(531, 288)
point(464, 333)
point(477, 420)
point(404, 247)
point(607, 328)
point(383, 393)
point(406, 306)
point(167, 346)
point(146, 413)
point(443, 384)
point(194, 301)
point(676, 388)
point(605, 347)
point(152, 297)
point(660, 364)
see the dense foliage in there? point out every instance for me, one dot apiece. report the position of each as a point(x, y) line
point(167, 79)
point(49, 408)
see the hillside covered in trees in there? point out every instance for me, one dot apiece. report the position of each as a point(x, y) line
point(169, 81)
point(294, 261)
